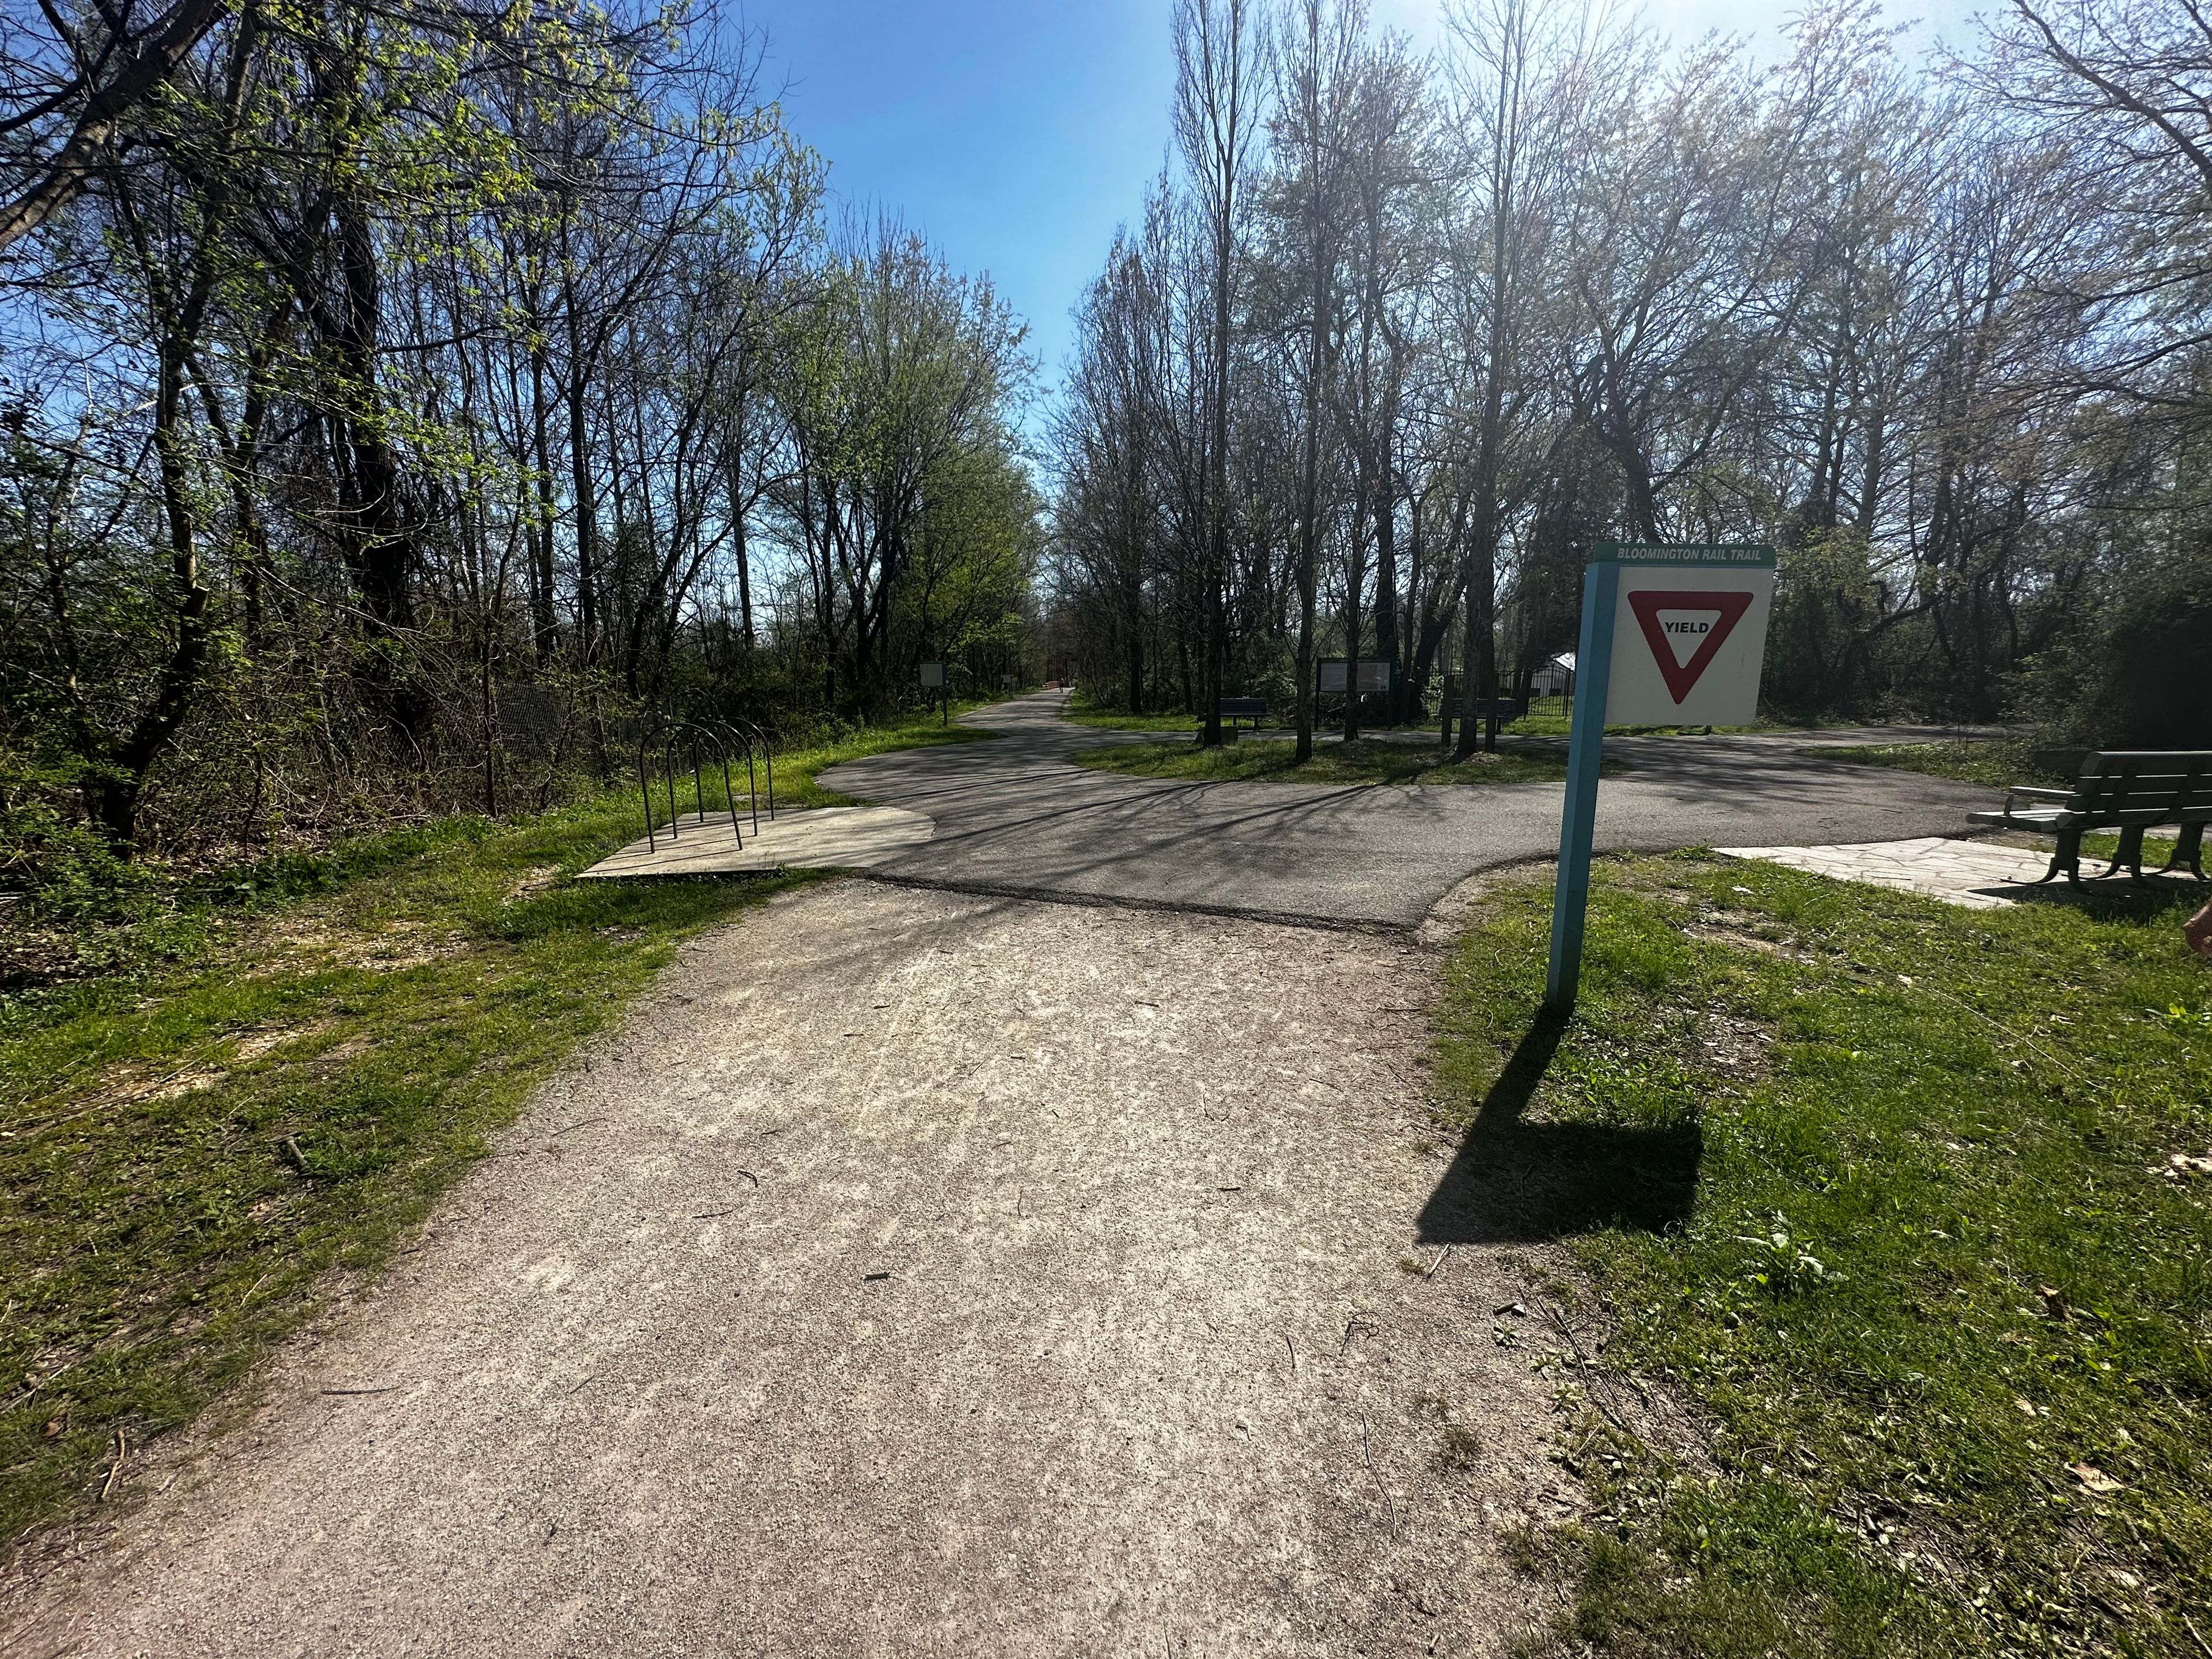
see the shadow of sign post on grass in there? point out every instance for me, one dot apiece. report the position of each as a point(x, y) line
point(1514, 1181)
point(1686, 647)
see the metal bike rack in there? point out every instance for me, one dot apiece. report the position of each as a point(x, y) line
point(734, 731)
point(749, 734)
point(671, 736)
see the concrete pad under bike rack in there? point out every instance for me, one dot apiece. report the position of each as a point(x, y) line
point(809, 838)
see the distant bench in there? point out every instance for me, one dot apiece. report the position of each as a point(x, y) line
point(1254, 709)
point(2130, 790)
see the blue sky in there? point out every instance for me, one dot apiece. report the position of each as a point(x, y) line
point(1018, 136)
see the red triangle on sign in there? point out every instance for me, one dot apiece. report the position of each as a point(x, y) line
point(1682, 677)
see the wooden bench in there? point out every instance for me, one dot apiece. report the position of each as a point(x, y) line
point(2130, 790)
point(1254, 709)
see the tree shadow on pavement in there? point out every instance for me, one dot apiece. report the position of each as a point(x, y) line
point(1514, 1181)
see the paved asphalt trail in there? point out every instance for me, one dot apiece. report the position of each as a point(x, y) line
point(929, 1272)
point(1014, 815)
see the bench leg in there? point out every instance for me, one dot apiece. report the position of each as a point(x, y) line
point(2129, 854)
point(2188, 851)
point(2067, 859)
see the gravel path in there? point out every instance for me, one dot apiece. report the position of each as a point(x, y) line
point(915, 1273)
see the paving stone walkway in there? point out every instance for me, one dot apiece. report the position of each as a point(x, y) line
point(1981, 875)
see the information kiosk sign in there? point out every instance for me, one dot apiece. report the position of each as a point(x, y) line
point(1336, 674)
point(1670, 636)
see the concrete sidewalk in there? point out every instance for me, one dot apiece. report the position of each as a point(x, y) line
point(796, 838)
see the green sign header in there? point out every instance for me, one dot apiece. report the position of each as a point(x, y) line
point(1717, 553)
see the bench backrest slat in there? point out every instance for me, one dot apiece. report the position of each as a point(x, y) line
point(2147, 783)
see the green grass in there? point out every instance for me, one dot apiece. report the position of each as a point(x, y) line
point(1882, 1192)
point(1332, 762)
point(1995, 764)
point(187, 1151)
point(802, 766)
point(1554, 717)
point(1116, 720)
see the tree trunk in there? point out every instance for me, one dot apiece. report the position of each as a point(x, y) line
point(541, 536)
point(579, 478)
point(1386, 579)
point(1354, 586)
point(1217, 491)
point(1310, 481)
point(380, 541)
point(112, 791)
point(737, 533)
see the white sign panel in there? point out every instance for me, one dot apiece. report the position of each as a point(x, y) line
point(1688, 642)
point(1374, 676)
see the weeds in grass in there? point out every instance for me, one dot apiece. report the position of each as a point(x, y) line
point(1916, 1272)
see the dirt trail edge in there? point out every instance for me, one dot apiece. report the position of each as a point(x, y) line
point(914, 1272)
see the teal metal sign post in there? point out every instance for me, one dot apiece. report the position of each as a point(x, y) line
point(1585, 749)
point(1687, 651)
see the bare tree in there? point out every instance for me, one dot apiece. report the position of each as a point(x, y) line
point(1315, 61)
point(1216, 116)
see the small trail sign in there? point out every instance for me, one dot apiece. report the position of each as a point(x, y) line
point(1689, 639)
point(1684, 650)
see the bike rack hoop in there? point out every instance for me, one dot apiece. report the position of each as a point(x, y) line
point(662, 740)
point(749, 733)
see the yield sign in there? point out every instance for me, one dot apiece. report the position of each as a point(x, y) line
point(1674, 617)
